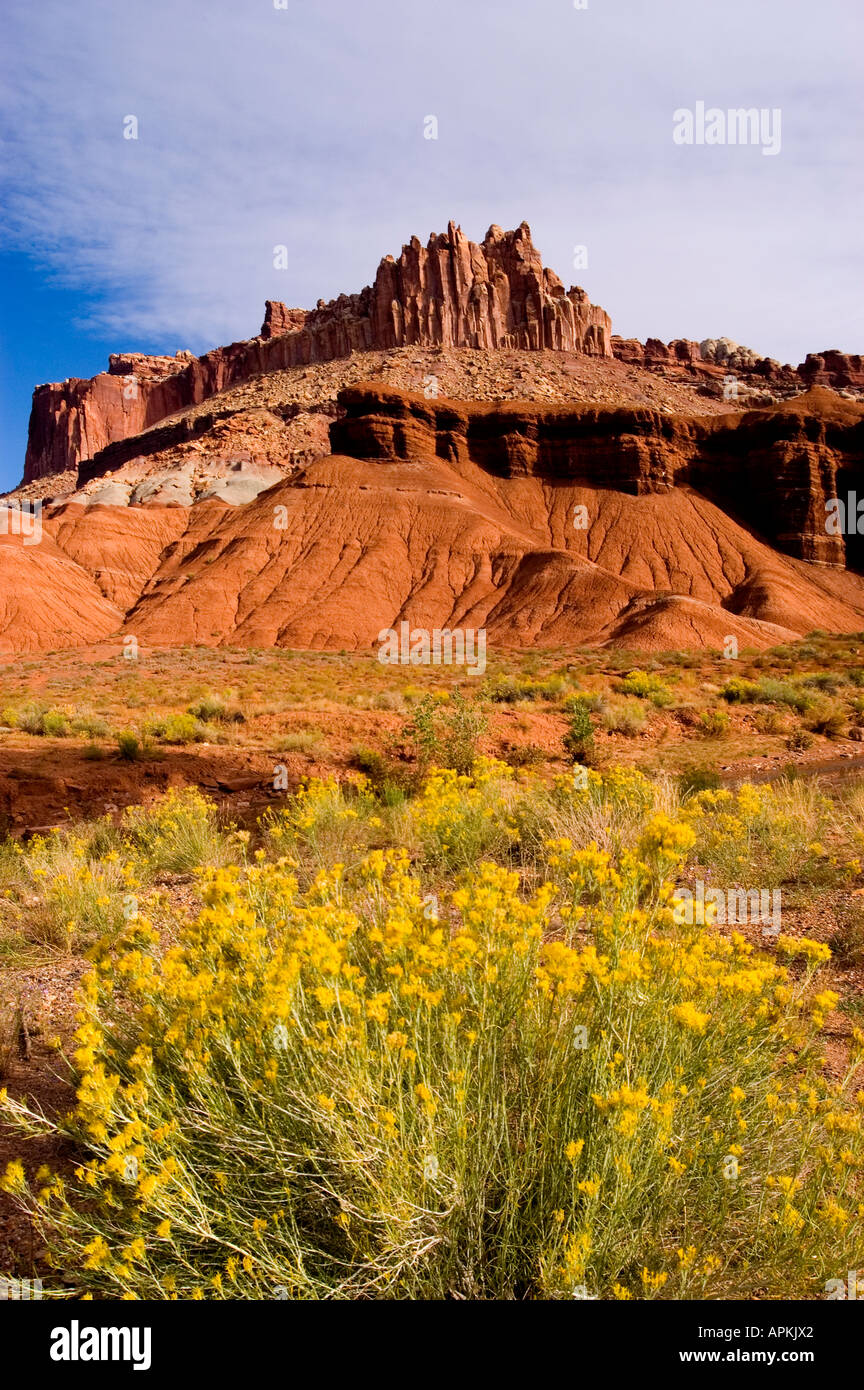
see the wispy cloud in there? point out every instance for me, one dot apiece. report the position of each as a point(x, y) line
point(304, 127)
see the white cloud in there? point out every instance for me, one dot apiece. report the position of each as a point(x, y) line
point(304, 127)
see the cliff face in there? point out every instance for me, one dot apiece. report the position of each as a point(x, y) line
point(74, 419)
point(774, 469)
point(451, 293)
point(548, 524)
point(495, 295)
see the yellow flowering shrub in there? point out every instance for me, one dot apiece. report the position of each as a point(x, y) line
point(460, 817)
point(379, 1085)
point(323, 821)
point(766, 834)
point(176, 833)
point(73, 888)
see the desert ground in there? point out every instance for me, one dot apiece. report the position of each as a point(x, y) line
point(140, 796)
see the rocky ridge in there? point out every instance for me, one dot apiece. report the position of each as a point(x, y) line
point(451, 293)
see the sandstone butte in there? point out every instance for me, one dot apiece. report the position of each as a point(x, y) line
point(265, 495)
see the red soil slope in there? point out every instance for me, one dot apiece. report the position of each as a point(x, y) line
point(458, 515)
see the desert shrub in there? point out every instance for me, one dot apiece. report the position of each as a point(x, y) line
point(299, 741)
point(827, 719)
point(647, 686)
point(579, 739)
point(370, 1091)
point(624, 717)
point(713, 723)
point(213, 709)
point(129, 746)
point(325, 823)
point(510, 689)
point(799, 740)
point(774, 692)
point(178, 728)
point(55, 724)
point(763, 835)
point(607, 808)
point(685, 659)
point(69, 888)
point(769, 721)
point(767, 691)
point(91, 725)
point(30, 719)
point(389, 779)
point(176, 833)
point(447, 733)
point(738, 691)
point(506, 690)
point(826, 681)
point(39, 720)
point(387, 700)
point(457, 818)
point(524, 755)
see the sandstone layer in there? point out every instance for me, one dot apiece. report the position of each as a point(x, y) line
point(774, 469)
point(549, 525)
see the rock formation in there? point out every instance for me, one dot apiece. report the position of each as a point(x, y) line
point(833, 368)
point(453, 513)
point(452, 292)
point(774, 469)
point(716, 357)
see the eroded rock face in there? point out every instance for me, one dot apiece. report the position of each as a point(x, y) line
point(774, 469)
point(72, 420)
point(716, 357)
point(634, 450)
point(452, 292)
point(653, 352)
point(278, 319)
point(451, 513)
point(832, 368)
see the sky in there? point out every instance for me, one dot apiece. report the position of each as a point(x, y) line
point(305, 126)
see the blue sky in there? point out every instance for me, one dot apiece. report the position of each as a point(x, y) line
point(303, 126)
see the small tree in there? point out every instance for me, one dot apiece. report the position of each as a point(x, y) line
point(579, 738)
point(447, 733)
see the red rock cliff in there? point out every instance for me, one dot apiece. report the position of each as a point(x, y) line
point(451, 292)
